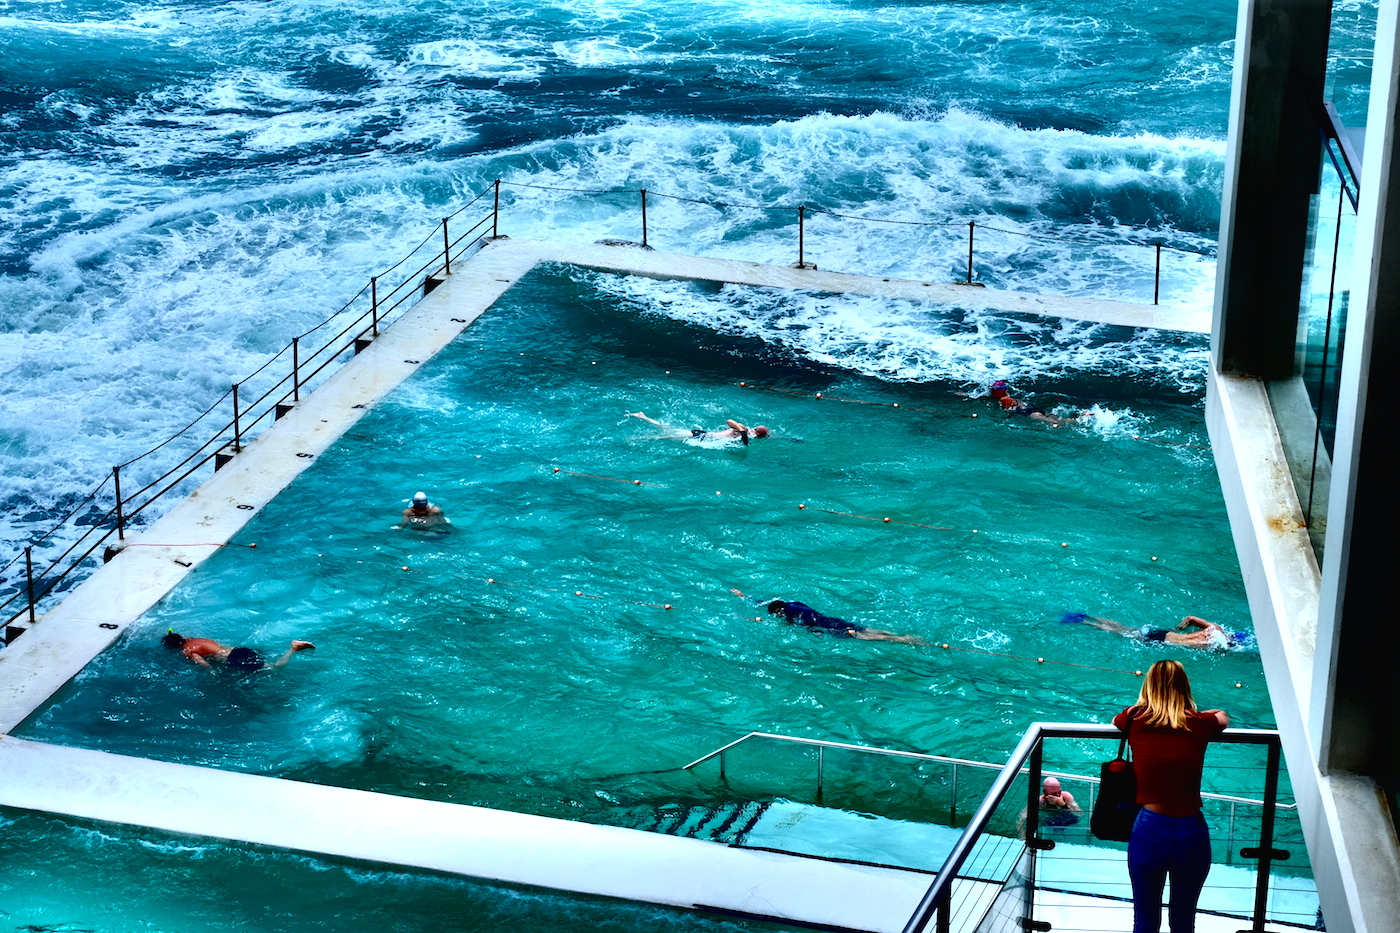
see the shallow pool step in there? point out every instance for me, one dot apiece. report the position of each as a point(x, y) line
point(726, 823)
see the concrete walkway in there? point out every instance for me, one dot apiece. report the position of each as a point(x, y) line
point(633, 260)
point(460, 840)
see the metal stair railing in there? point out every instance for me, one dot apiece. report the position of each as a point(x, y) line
point(935, 910)
point(954, 764)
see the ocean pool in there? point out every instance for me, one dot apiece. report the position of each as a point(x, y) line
point(433, 681)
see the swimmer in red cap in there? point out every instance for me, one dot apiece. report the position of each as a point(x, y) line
point(1002, 395)
point(734, 430)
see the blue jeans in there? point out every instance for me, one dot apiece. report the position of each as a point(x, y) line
point(1178, 846)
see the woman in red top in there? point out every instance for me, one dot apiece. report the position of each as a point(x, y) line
point(1170, 837)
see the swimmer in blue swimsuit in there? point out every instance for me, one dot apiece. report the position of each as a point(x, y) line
point(1190, 632)
point(807, 617)
point(734, 430)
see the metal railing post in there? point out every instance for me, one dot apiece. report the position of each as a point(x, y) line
point(1033, 843)
point(721, 766)
point(801, 236)
point(1267, 853)
point(29, 579)
point(1157, 277)
point(446, 250)
point(953, 805)
point(296, 365)
point(971, 228)
point(496, 212)
point(821, 770)
point(644, 217)
point(237, 431)
point(374, 304)
point(944, 908)
point(117, 481)
point(1230, 838)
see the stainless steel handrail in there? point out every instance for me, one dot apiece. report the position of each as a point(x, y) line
point(944, 759)
point(937, 899)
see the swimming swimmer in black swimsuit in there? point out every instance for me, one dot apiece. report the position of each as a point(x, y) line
point(809, 618)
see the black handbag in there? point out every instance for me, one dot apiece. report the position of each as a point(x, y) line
point(1115, 810)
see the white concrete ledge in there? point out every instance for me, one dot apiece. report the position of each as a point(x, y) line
point(472, 841)
point(633, 260)
point(1351, 839)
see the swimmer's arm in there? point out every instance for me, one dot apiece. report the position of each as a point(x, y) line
point(740, 431)
point(199, 659)
point(1193, 622)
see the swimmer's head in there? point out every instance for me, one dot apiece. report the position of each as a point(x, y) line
point(760, 431)
point(776, 606)
point(1052, 786)
point(172, 640)
point(420, 501)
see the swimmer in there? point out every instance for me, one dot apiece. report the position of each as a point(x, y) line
point(1054, 797)
point(202, 651)
point(733, 430)
point(422, 513)
point(1057, 805)
point(807, 617)
point(1190, 632)
point(1002, 395)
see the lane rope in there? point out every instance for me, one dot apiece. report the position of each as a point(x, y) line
point(945, 646)
point(822, 396)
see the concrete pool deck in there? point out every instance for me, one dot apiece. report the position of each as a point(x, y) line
point(471, 841)
point(463, 840)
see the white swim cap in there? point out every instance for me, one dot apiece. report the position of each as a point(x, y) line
point(420, 497)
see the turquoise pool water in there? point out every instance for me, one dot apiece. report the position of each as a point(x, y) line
point(431, 681)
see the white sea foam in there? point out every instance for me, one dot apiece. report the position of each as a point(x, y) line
point(510, 61)
point(909, 341)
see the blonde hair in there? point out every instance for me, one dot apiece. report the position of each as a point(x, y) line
point(1166, 696)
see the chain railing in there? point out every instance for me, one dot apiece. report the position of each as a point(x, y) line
point(262, 397)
